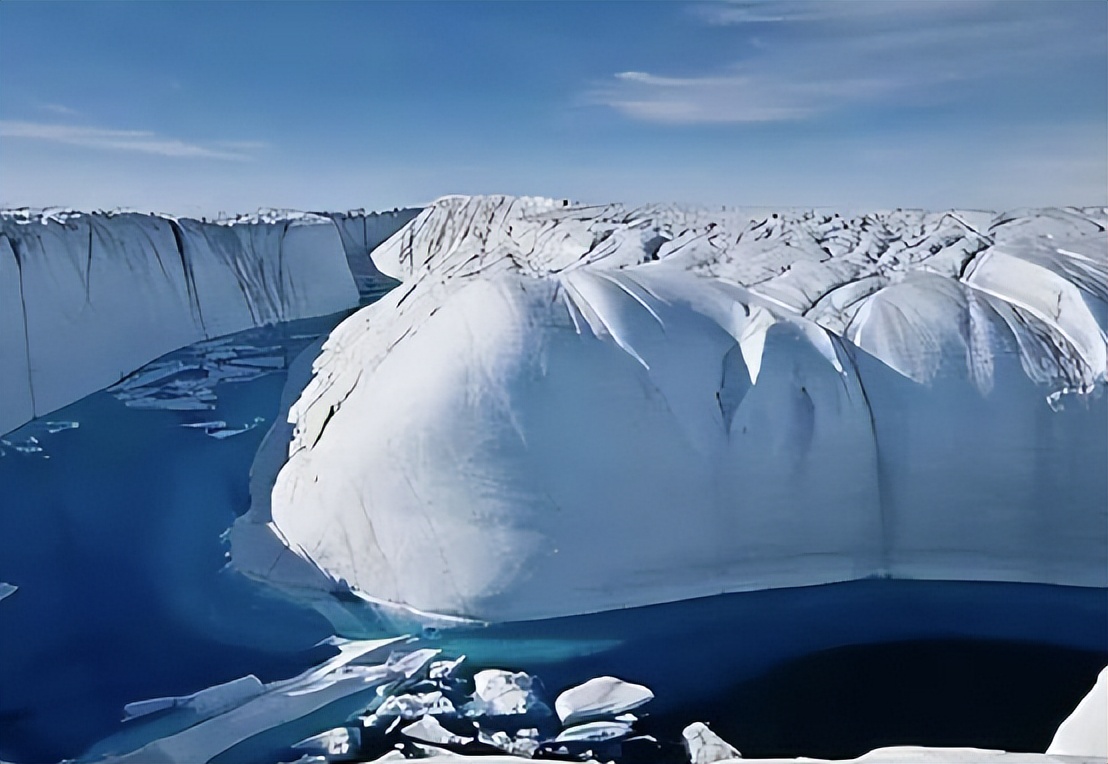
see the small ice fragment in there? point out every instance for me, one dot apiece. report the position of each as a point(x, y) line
point(340, 741)
point(503, 693)
point(428, 730)
point(412, 706)
point(706, 747)
point(594, 732)
point(53, 427)
point(408, 664)
point(526, 742)
point(7, 590)
point(598, 698)
point(440, 671)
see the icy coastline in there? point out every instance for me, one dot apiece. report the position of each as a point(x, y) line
point(87, 298)
point(568, 409)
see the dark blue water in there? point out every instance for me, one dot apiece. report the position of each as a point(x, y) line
point(114, 541)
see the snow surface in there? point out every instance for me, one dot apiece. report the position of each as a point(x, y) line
point(573, 409)
point(1085, 731)
point(85, 299)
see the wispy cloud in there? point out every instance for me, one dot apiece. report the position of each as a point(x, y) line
point(59, 109)
point(799, 59)
point(135, 141)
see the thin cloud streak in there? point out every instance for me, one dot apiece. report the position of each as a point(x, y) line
point(818, 58)
point(59, 109)
point(134, 141)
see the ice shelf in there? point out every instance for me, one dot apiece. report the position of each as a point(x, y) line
point(565, 410)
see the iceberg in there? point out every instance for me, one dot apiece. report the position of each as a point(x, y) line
point(572, 409)
point(86, 299)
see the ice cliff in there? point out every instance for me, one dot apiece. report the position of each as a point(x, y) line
point(567, 409)
point(85, 299)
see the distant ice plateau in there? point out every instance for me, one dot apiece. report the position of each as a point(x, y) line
point(566, 409)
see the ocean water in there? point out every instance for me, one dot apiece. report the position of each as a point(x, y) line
point(113, 530)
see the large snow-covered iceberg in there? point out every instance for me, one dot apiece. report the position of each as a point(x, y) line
point(567, 409)
point(85, 299)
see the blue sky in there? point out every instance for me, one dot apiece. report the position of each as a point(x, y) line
point(197, 107)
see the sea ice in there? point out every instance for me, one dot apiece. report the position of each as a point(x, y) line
point(598, 698)
point(429, 730)
point(504, 693)
point(706, 747)
point(594, 732)
point(338, 744)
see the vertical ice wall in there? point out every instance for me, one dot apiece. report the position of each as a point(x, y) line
point(362, 232)
point(85, 299)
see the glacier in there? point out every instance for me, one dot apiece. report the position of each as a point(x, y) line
point(567, 409)
point(87, 298)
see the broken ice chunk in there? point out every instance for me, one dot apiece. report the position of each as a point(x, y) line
point(339, 742)
point(204, 703)
point(598, 698)
point(706, 747)
point(409, 664)
point(440, 671)
point(525, 744)
point(504, 693)
point(594, 732)
point(411, 706)
point(428, 730)
point(7, 590)
point(55, 427)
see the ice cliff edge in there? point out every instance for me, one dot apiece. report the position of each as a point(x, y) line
point(566, 409)
point(87, 298)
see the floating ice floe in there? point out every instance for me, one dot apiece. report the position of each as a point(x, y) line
point(407, 707)
point(7, 590)
point(28, 439)
point(525, 742)
point(504, 693)
point(338, 744)
point(429, 730)
point(221, 717)
point(594, 732)
point(604, 696)
point(706, 747)
point(205, 703)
